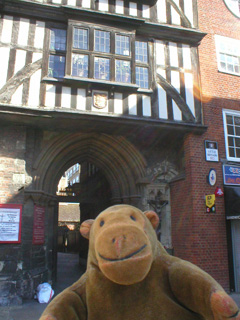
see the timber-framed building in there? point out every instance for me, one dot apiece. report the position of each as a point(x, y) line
point(113, 85)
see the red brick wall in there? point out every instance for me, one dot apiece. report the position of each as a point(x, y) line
point(198, 236)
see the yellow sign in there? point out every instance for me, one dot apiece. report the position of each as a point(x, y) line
point(210, 203)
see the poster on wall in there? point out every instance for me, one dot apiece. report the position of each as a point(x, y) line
point(211, 151)
point(10, 223)
point(38, 225)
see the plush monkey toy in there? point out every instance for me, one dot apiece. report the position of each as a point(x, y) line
point(130, 276)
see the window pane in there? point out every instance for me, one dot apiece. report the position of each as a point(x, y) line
point(229, 119)
point(56, 66)
point(123, 71)
point(237, 142)
point(238, 153)
point(231, 152)
point(230, 130)
point(102, 68)
point(80, 38)
point(80, 65)
point(102, 41)
point(141, 51)
point(142, 77)
point(122, 45)
point(58, 39)
point(230, 141)
point(237, 131)
point(230, 67)
point(237, 121)
point(236, 69)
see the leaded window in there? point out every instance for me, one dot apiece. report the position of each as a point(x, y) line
point(102, 41)
point(57, 53)
point(122, 44)
point(80, 38)
point(142, 77)
point(101, 68)
point(80, 65)
point(95, 53)
point(123, 71)
point(142, 70)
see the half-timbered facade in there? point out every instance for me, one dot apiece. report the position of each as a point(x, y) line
point(113, 83)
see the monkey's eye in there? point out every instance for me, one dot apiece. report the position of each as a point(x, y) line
point(101, 223)
point(133, 218)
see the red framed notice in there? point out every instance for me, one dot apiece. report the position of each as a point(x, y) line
point(10, 223)
point(38, 225)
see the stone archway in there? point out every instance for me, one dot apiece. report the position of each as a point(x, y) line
point(121, 163)
point(119, 160)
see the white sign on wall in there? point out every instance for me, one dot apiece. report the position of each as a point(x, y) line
point(10, 223)
point(211, 151)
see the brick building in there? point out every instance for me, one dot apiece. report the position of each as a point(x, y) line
point(209, 244)
point(114, 85)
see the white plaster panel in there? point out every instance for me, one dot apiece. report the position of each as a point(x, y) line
point(50, 96)
point(186, 51)
point(175, 16)
point(160, 53)
point(4, 54)
point(188, 10)
point(23, 32)
point(161, 11)
point(36, 56)
point(66, 98)
point(132, 104)
point(162, 102)
point(162, 72)
point(20, 60)
point(146, 11)
point(146, 106)
point(71, 3)
point(173, 54)
point(188, 77)
point(132, 8)
point(118, 103)
point(175, 81)
point(119, 7)
point(86, 3)
point(17, 96)
point(7, 29)
point(39, 34)
point(81, 99)
point(103, 5)
point(34, 89)
point(57, 1)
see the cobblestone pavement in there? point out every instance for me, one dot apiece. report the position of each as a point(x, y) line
point(68, 272)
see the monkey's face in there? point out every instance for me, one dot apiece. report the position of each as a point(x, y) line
point(122, 246)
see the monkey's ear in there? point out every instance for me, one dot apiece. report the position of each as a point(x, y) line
point(153, 218)
point(85, 228)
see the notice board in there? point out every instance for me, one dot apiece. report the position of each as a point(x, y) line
point(10, 223)
point(38, 225)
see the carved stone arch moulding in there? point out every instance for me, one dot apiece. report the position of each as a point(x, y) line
point(119, 160)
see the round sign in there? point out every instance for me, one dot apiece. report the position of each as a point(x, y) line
point(212, 177)
point(233, 6)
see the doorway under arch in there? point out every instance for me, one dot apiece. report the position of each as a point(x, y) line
point(121, 167)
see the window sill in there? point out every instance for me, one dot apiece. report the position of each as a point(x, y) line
point(99, 84)
point(229, 73)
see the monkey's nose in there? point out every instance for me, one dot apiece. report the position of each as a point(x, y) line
point(118, 243)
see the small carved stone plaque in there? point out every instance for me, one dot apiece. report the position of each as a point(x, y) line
point(100, 100)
